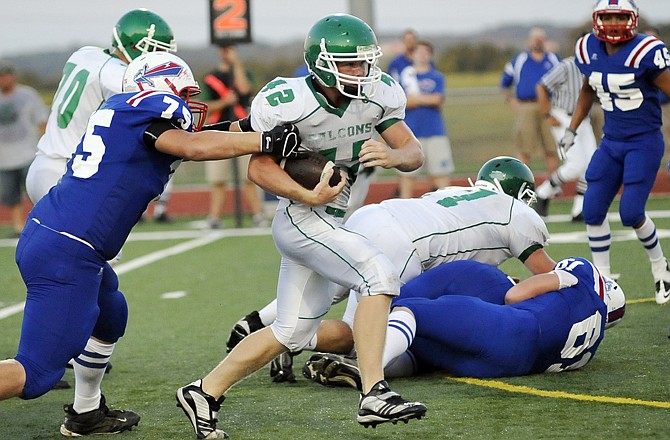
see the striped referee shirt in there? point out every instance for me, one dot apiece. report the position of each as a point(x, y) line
point(564, 82)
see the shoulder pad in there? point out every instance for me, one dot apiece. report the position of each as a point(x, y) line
point(389, 93)
point(641, 49)
point(285, 97)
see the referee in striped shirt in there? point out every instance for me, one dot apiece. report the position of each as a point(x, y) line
point(557, 94)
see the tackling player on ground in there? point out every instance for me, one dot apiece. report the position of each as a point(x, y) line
point(469, 319)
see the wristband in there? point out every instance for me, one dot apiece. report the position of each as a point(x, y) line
point(565, 278)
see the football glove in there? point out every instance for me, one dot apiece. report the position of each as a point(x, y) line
point(219, 126)
point(566, 142)
point(281, 141)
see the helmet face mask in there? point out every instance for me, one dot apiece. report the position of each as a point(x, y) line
point(139, 32)
point(166, 72)
point(508, 175)
point(338, 39)
point(604, 12)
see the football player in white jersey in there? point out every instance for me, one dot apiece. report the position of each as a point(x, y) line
point(91, 76)
point(336, 108)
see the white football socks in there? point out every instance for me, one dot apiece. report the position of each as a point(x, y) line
point(89, 369)
point(399, 335)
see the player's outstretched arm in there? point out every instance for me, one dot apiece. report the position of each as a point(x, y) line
point(532, 287)
point(207, 145)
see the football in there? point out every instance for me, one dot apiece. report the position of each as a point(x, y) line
point(308, 169)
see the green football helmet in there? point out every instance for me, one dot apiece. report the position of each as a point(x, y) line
point(343, 38)
point(141, 31)
point(508, 175)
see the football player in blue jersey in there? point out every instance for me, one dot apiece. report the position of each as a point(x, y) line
point(470, 319)
point(132, 146)
point(625, 71)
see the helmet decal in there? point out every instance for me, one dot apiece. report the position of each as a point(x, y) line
point(166, 72)
point(146, 75)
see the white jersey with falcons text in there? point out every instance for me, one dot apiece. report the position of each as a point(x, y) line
point(90, 77)
point(337, 133)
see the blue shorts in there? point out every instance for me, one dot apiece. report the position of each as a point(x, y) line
point(72, 295)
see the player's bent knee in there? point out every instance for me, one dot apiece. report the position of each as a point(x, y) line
point(295, 338)
point(630, 218)
point(593, 216)
point(334, 336)
point(38, 380)
point(113, 317)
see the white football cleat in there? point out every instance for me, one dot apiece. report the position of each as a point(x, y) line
point(661, 272)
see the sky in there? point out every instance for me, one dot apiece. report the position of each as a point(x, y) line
point(65, 24)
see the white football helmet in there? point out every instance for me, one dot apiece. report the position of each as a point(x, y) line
point(166, 72)
point(610, 32)
point(615, 301)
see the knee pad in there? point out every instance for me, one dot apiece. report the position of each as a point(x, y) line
point(113, 317)
point(38, 380)
point(630, 217)
point(591, 217)
point(296, 338)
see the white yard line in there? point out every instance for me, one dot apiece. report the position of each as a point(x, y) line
point(612, 216)
point(202, 240)
point(11, 310)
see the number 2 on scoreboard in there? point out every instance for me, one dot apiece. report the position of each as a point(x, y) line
point(232, 15)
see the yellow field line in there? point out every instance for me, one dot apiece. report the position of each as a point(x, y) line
point(639, 300)
point(557, 394)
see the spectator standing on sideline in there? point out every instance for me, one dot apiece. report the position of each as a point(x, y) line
point(557, 94)
point(522, 73)
point(425, 88)
point(228, 89)
point(400, 61)
point(23, 117)
point(627, 72)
